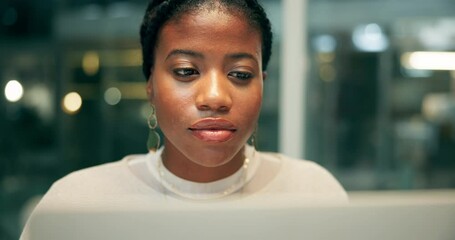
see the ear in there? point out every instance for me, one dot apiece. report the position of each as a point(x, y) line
point(149, 89)
point(264, 75)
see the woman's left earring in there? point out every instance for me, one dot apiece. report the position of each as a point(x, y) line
point(253, 138)
point(153, 141)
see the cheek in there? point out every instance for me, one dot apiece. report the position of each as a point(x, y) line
point(171, 104)
point(254, 103)
point(256, 98)
point(250, 105)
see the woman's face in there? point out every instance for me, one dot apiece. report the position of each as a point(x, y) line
point(206, 85)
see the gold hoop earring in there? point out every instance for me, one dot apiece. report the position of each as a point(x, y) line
point(153, 140)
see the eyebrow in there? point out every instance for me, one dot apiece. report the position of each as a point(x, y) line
point(184, 52)
point(236, 56)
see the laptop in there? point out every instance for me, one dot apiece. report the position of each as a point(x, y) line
point(373, 216)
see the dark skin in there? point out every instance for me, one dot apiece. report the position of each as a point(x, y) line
point(207, 67)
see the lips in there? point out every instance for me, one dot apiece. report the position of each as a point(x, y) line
point(213, 130)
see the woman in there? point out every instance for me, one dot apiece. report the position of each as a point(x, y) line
point(205, 61)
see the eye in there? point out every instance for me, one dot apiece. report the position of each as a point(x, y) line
point(243, 76)
point(185, 72)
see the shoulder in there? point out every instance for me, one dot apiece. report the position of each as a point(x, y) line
point(302, 176)
point(110, 186)
point(108, 178)
point(305, 168)
point(94, 175)
point(294, 167)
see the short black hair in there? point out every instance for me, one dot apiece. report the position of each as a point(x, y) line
point(160, 11)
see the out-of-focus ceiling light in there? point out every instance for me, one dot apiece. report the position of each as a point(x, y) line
point(370, 38)
point(14, 91)
point(429, 60)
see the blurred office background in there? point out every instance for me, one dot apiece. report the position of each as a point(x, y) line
point(380, 102)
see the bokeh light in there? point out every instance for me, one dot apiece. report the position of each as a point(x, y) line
point(370, 38)
point(72, 103)
point(324, 43)
point(91, 63)
point(429, 60)
point(14, 91)
point(112, 96)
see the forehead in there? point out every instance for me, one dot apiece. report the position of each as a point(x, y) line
point(211, 28)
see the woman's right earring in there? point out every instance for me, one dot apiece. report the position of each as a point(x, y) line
point(153, 140)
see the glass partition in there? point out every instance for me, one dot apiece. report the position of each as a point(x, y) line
point(381, 92)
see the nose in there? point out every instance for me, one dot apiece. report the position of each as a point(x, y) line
point(213, 93)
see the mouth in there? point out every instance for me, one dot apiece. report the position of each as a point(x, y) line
point(213, 130)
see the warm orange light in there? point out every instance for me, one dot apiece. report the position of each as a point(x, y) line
point(91, 63)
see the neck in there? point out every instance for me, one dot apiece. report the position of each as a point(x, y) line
point(182, 167)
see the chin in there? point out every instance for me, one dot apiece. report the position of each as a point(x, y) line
point(215, 157)
point(212, 161)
